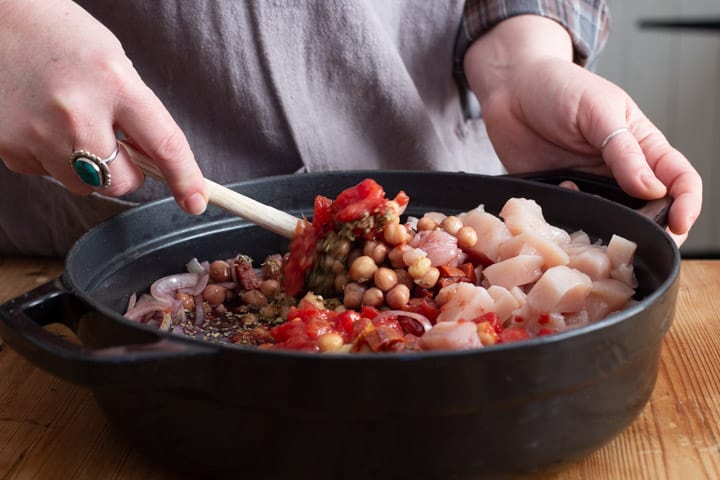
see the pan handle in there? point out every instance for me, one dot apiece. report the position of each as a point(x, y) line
point(157, 362)
point(606, 187)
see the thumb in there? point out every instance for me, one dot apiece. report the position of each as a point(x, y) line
point(143, 118)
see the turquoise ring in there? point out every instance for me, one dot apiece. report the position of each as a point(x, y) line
point(91, 169)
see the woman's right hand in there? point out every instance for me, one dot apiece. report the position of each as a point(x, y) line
point(66, 84)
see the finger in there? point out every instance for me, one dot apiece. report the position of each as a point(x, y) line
point(120, 176)
point(683, 181)
point(24, 164)
point(686, 190)
point(628, 164)
point(144, 118)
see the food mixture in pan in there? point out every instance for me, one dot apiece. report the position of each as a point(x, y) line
point(357, 278)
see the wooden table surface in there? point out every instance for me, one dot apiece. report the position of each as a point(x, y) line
point(53, 429)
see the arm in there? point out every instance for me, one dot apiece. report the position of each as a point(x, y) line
point(67, 84)
point(543, 111)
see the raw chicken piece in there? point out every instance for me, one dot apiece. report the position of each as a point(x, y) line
point(451, 336)
point(620, 250)
point(524, 215)
point(560, 289)
point(592, 260)
point(533, 244)
point(463, 301)
point(440, 246)
point(607, 296)
point(515, 271)
point(505, 302)
point(491, 232)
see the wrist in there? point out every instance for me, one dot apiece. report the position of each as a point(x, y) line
point(514, 43)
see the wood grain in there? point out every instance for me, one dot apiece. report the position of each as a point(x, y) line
point(52, 429)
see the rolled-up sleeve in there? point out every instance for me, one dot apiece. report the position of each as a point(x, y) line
point(587, 21)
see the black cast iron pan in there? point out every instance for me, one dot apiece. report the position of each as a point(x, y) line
point(218, 411)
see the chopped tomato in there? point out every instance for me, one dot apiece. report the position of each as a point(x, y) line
point(424, 306)
point(354, 202)
point(492, 319)
point(369, 312)
point(322, 217)
point(301, 258)
point(513, 334)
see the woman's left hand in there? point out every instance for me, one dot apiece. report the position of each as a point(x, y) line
point(544, 112)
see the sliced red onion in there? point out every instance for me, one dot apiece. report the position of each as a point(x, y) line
point(194, 266)
point(199, 310)
point(418, 317)
point(166, 287)
point(146, 305)
point(131, 302)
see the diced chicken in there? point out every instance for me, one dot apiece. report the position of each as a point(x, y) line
point(491, 232)
point(559, 236)
point(592, 260)
point(519, 295)
point(579, 237)
point(560, 289)
point(451, 336)
point(533, 244)
point(607, 296)
point(505, 302)
point(626, 274)
point(463, 301)
point(440, 246)
point(524, 215)
point(620, 250)
point(515, 271)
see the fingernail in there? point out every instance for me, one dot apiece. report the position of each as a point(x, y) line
point(195, 204)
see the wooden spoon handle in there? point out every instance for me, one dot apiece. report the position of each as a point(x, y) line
point(265, 216)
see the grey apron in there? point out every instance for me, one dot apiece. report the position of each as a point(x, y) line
point(272, 87)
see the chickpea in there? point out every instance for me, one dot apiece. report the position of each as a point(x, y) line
point(270, 287)
point(385, 278)
point(395, 256)
point(373, 296)
point(353, 255)
point(466, 237)
point(214, 294)
point(429, 279)
point(220, 271)
point(337, 267)
point(451, 224)
point(362, 269)
point(396, 234)
point(353, 295)
point(188, 302)
point(378, 251)
point(426, 223)
point(420, 268)
point(341, 280)
point(398, 296)
point(330, 342)
point(254, 298)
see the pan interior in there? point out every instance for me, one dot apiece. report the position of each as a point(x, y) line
point(127, 253)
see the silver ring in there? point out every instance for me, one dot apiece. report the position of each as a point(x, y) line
point(612, 135)
point(92, 169)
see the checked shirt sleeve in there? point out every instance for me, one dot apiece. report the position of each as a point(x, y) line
point(587, 21)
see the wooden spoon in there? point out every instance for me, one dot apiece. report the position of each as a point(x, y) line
point(265, 216)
